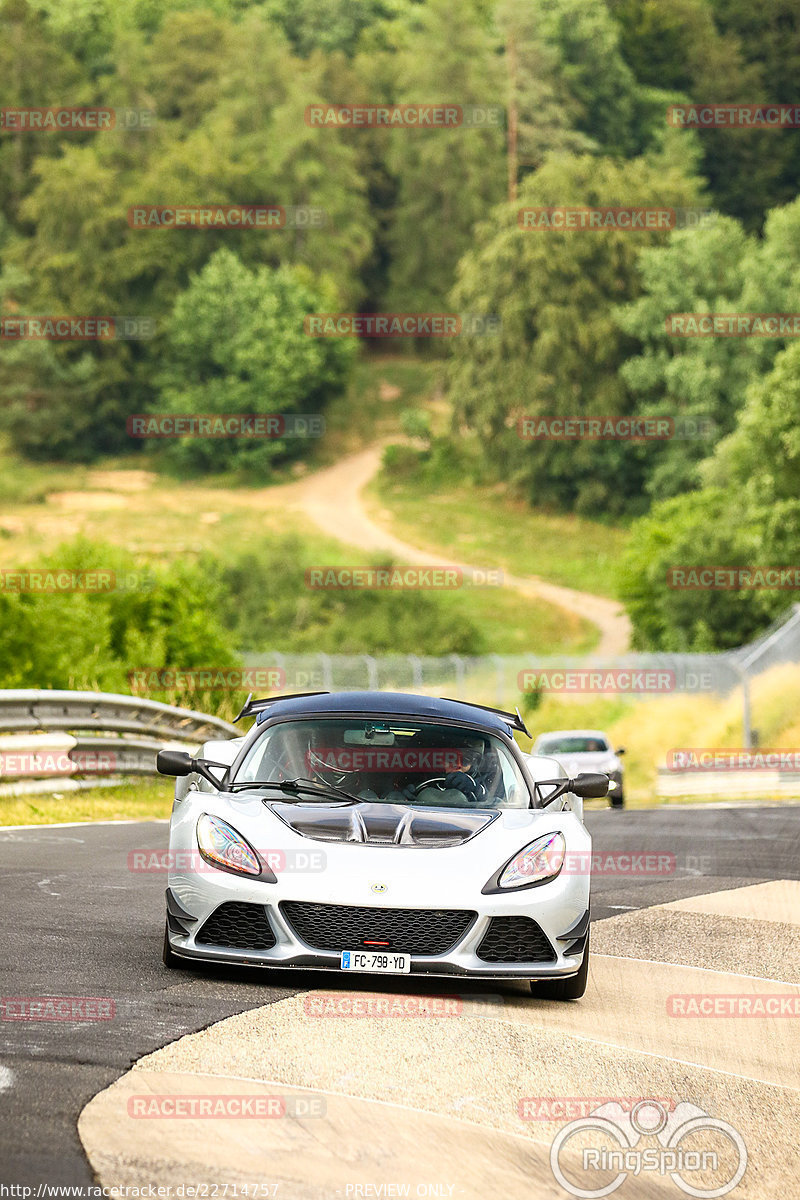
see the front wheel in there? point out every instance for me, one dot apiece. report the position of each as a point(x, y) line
point(617, 799)
point(571, 988)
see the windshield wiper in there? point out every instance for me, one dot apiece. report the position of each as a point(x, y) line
point(303, 786)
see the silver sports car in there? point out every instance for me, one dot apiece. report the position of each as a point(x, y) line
point(381, 833)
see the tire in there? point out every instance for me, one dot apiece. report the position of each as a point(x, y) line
point(170, 959)
point(617, 799)
point(571, 988)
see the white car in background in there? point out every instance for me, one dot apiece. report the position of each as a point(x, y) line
point(585, 750)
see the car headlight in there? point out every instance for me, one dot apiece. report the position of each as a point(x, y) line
point(539, 862)
point(223, 847)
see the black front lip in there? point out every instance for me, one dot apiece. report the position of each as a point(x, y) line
point(311, 962)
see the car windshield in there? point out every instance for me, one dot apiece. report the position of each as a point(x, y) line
point(388, 761)
point(572, 744)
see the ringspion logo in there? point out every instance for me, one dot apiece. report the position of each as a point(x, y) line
point(691, 1146)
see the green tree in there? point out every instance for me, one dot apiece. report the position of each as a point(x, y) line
point(560, 348)
point(447, 179)
point(36, 71)
point(719, 51)
point(237, 344)
point(689, 379)
point(709, 528)
point(150, 618)
point(330, 25)
point(747, 515)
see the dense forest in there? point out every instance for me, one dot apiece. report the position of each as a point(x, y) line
point(210, 106)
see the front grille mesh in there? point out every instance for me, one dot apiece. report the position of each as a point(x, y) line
point(346, 927)
point(241, 926)
point(514, 940)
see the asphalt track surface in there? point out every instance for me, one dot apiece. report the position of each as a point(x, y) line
point(77, 922)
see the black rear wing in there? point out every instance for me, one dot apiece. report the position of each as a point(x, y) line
point(252, 708)
point(514, 719)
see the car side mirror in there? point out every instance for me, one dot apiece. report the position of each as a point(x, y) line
point(621, 750)
point(178, 762)
point(174, 762)
point(589, 786)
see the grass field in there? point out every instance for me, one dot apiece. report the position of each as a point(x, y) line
point(140, 800)
point(484, 526)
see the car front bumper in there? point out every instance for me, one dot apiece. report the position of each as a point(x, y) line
point(291, 951)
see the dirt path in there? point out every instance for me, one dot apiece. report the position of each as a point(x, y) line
point(331, 498)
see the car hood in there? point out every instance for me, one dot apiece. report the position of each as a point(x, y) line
point(383, 824)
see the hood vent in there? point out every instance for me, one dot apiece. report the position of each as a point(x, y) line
point(381, 824)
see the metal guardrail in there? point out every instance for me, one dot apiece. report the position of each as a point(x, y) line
point(56, 734)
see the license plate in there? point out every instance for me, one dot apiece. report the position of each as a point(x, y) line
point(367, 960)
